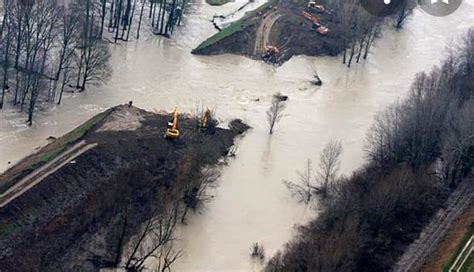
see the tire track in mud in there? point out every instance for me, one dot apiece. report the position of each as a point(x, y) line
point(44, 171)
point(263, 32)
point(418, 252)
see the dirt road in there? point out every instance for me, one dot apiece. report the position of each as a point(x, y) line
point(263, 32)
point(41, 173)
point(418, 252)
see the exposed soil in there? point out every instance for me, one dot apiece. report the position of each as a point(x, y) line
point(283, 27)
point(123, 119)
point(66, 215)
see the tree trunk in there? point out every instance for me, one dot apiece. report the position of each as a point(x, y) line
point(102, 20)
point(140, 21)
point(5, 68)
point(117, 20)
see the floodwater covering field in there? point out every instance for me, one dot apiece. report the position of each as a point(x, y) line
point(251, 204)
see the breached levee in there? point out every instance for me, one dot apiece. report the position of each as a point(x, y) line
point(277, 24)
point(61, 208)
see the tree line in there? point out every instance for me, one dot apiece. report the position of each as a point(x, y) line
point(360, 28)
point(418, 150)
point(48, 47)
point(119, 16)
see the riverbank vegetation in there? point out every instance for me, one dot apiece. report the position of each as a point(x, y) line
point(418, 150)
point(275, 112)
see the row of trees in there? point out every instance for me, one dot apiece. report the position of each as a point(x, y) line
point(416, 151)
point(119, 16)
point(49, 47)
point(435, 122)
point(360, 28)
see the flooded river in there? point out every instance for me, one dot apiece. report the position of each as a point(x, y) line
point(251, 204)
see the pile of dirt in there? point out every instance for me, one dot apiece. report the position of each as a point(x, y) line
point(70, 214)
point(280, 24)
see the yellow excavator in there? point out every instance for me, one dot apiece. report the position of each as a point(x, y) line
point(172, 131)
point(206, 116)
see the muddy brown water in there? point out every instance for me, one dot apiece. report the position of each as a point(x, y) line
point(251, 204)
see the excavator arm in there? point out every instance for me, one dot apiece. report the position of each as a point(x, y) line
point(172, 132)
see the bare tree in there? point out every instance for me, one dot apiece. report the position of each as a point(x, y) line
point(96, 67)
point(68, 39)
point(329, 165)
point(309, 184)
point(167, 258)
point(275, 112)
point(156, 239)
point(40, 40)
point(404, 12)
point(6, 23)
point(304, 188)
point(458, 143)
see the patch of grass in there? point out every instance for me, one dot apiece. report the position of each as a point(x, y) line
point(217, 2)
point(469, 264)
point(70, 138)
point(224, 33)
point(459, 248)
point(236, 26)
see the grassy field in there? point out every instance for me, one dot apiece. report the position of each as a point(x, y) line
point(217, 2)
point(469, 265)
point(62, 143)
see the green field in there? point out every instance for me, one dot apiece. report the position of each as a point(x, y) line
point(217, 2)
point(232, 28)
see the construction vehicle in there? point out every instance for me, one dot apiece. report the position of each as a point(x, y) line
point(321, 29)
point(172, 131)
point(206, 116)
point(271, 53)
point(312, 5)
point(272, 50)
point(207, 123)
point(316, 25)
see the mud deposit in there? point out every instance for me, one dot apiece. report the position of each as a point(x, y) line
point(68, 221)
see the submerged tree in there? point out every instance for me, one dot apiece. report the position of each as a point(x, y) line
point(43, 44)
point(404, 12)
point(319, 183)
point(275, 112)
point(155, 240)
